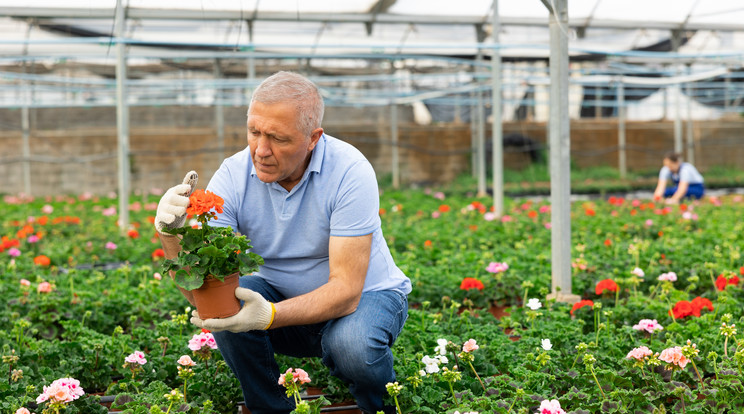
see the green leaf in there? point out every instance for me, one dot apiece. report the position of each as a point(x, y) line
point(188, 281)
point(211, 250)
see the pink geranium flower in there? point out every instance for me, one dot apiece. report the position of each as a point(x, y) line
point(186, 361)
point(23, 410)
point(639, 353)
point(63, 390)
point(297, 376)
point(33, 239)
point(638, 272)
point(47, 209)
point(550, 407)
point(674, 357)
point(648, 325)
point(669, 276)
point(44, 287)
point(25, 282)
point(111, 246)
point(201, 340)
point(13, 252)
point(136, 357)
point(470, 345)
point(496, 267)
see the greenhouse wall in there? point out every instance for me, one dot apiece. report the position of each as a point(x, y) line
point(74, 149)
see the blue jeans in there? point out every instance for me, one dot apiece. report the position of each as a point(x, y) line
point(693, 190)
point(355, 348)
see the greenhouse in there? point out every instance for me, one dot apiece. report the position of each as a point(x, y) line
point(545, 195)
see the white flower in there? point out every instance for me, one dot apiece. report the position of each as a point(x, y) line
point(422, 373)
point(534, 304)
point(546, 345)
point(638, 272)
point(442, 347)
point(432, 364)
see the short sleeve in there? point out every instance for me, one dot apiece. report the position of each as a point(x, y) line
point(222, 185)
point(687, 174)
point(665, 173)
point(356, 209)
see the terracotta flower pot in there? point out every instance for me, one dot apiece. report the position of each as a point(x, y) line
point(216, 299)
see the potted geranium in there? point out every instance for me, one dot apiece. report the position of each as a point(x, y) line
point(211, 259)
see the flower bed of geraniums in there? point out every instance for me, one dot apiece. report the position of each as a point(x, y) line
point(86, 314)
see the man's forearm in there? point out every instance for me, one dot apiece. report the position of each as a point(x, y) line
point(172, 246)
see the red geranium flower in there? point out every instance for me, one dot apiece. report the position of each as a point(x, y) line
point(42, 260)
point(681, 309)
point(733, 280)
point(158, 253)
point(607, 284)
point(741, 270)
point(700, 303)
point(203, 201)
point(133, 233)
point(471, 283)
point(444, 208)
point(580, 304)
point(721, 282)
point(608, 242)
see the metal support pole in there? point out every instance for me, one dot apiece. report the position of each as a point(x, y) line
point(481, 127)
point(394, 131)
point(560, 155)
point(497, 133)
point(621, 155)
point(26, 137)
point(251, 72)
point(676, 39)
point(122, 117)
point(219, 113)
point(689, 132)
point(726, 92)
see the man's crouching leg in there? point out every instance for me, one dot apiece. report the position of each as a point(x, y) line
point(356, 347)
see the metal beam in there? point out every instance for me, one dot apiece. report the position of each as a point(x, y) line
point(329, 17)
point(497, 133)
point(621, 140)
point(560, 156)
point(122, 118)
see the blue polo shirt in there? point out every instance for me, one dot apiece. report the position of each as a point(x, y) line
point(337, 196)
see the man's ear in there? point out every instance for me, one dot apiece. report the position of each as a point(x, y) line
point(314, 137)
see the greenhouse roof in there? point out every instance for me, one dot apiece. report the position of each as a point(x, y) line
point(347, 27)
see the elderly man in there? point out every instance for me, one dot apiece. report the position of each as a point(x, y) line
point(329, 287)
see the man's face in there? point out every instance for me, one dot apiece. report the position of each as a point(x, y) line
point(673, 166)
point(280, 152)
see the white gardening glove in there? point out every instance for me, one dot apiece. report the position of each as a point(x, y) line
point(257, 314)
point(171, 212)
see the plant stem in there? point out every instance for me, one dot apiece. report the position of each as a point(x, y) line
point(591, 368)
point(698, 373)
point(397, 406)
point(477, 376)
point(169, 407)
point(725, 346)
point(184, 391)
point(452, 390)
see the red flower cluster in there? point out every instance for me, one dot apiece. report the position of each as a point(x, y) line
point(133, 234)
point(607, 284)
point(477, 205)
point(580, 304)
point(684, 308)
point(722, 281)
point(7, 243)
point(157, 254)
point(444, 208)
point(203, 201)
point(42, 260)
point(616, 201)
point(471, 283)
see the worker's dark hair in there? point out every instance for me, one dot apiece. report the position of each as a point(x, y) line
point(673, 156)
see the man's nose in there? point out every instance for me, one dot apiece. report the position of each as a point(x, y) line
point(263, 149)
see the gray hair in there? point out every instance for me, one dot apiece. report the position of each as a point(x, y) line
point(293, 88)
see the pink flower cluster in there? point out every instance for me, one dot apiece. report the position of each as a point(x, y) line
point(496, 267)
point(186, 361)
point(670, 277)
point(63, 390)
point(295, 376)
point(136, 357)
point(639, 353)
point(470, 346)
point(648, 325)
point(551, 407)
point(674, 356)
point(201, 340)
